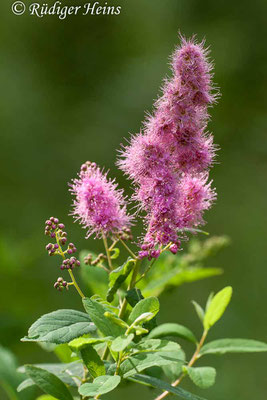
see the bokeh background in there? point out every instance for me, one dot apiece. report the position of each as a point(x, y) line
point(71, 91)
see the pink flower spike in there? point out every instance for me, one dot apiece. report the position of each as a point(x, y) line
point(98, 204)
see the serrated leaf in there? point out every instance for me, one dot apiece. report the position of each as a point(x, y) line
point(172, 329)
point(217, 307)
point(203, 377)
point(97, 312)
point(60, 326)
point(118, 276)
point(159, 384)
point(48, 382)
point(121, 342)
point(148, 305)
point(92, 361)
point(101, 385)
point(223, 346)
point(199, 310)
point(80, 343)
point(149, 353)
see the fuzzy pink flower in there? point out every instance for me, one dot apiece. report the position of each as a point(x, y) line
point(196, 196)
point(98, 204)
point(169, 160)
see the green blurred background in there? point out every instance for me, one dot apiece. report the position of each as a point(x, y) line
point(71, 91)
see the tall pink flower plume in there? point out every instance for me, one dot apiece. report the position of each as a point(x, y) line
point(98, 204)
point(169, 160)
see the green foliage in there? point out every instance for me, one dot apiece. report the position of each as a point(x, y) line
point(106, 325)
point(92, 361)
point(101, 385)
point(48, 382)
point(82, 342)
point(217, 307)
point(113, 343)
point(172, 329)
point(60, 326)
point(172, 271)
point(10, 378)
point(118, 276)
point(203, 377)
point(199, 310)
point(121, 342)
point(223, 346)
point(159, 384)
point(149, 353)
point(148, 305)
point(67, 373)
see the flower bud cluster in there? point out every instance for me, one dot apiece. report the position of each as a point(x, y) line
point(125, 234)
point(52, 226)
point(88, 260)
point(70, 263)
point(61, 284)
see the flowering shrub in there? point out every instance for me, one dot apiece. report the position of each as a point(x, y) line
point(117, 339)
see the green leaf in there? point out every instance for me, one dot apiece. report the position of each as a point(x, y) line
point(118, 277)
point(148, 305)
point(67, 373)
point(199, 310)
point(48, 382)
point(92, 361)
point(133, 296)
point(222, 346)
point(114, 318)
point(203, 377)
point(25, 384)
point(115, 253)
point(121, 342)
point(63, 352)
point(159, 384)
point(101, 385)
point(46, 397)
point(96, 311)
point(217, 307)
point(94, 277)
point(60, 326)
point(211, 295)
point(173, 370)
point(145, 317)
point(172, 329)
point(80, 343)
point(149, 353)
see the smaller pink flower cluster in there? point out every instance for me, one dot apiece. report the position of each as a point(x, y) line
point(169, 160)
point(98, 204)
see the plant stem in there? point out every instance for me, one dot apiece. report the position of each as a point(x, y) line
point(190, 364)
point(131, 285)
point(74, 282)
point(107, 251)
point(128, 249)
